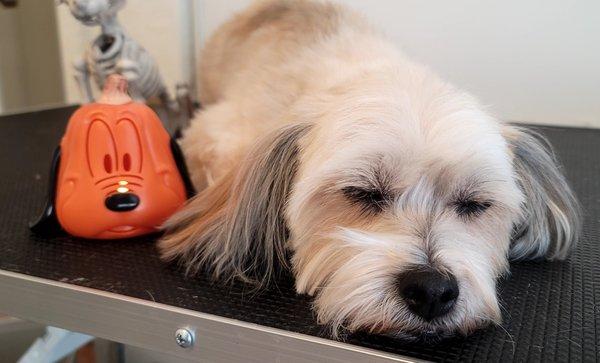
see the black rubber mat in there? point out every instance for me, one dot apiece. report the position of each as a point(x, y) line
point(550, 310)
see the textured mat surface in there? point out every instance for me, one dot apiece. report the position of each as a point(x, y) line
point(550, 310)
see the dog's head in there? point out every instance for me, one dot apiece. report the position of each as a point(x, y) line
point(399, 213)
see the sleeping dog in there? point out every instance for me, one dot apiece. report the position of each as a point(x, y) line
point(395, 199)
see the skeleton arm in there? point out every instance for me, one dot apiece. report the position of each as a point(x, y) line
point(138, 67)
point(82, 77)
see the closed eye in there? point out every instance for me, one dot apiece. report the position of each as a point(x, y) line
point(471, 207)
point(370, 200)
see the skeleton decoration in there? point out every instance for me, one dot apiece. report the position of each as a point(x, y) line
point(115, 52)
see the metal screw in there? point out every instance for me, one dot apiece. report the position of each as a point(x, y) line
point(184, 338)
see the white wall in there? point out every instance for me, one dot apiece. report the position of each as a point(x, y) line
point(29, 57)
point(530, 60)
point(8, 54)
point(163, 27)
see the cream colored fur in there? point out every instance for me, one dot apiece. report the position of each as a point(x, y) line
point(305, 104)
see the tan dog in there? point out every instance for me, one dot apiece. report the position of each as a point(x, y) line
point(398, 198)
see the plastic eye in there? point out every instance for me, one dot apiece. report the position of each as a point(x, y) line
point(107, 163)
point(127, 162)
point(101, 149)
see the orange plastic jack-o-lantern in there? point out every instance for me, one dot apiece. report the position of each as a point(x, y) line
point(117, 173)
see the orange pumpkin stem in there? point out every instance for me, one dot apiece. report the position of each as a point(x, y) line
point(115, 91)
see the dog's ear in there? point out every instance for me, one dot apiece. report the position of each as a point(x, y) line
point(550, 223)
point(236, 228)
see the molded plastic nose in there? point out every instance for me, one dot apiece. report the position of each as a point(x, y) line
point(122, 202)
point(428, 293)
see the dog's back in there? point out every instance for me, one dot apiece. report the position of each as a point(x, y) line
point(268, 36)
point(257, 66)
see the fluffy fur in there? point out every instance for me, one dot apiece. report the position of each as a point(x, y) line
point(376, 166)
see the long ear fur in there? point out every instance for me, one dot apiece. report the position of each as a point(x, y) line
point(236, 227)
point(551, 216)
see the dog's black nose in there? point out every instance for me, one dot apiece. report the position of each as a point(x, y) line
point(122, 202)
point(428, 292)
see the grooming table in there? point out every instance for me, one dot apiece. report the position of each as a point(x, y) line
point(120, 290)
